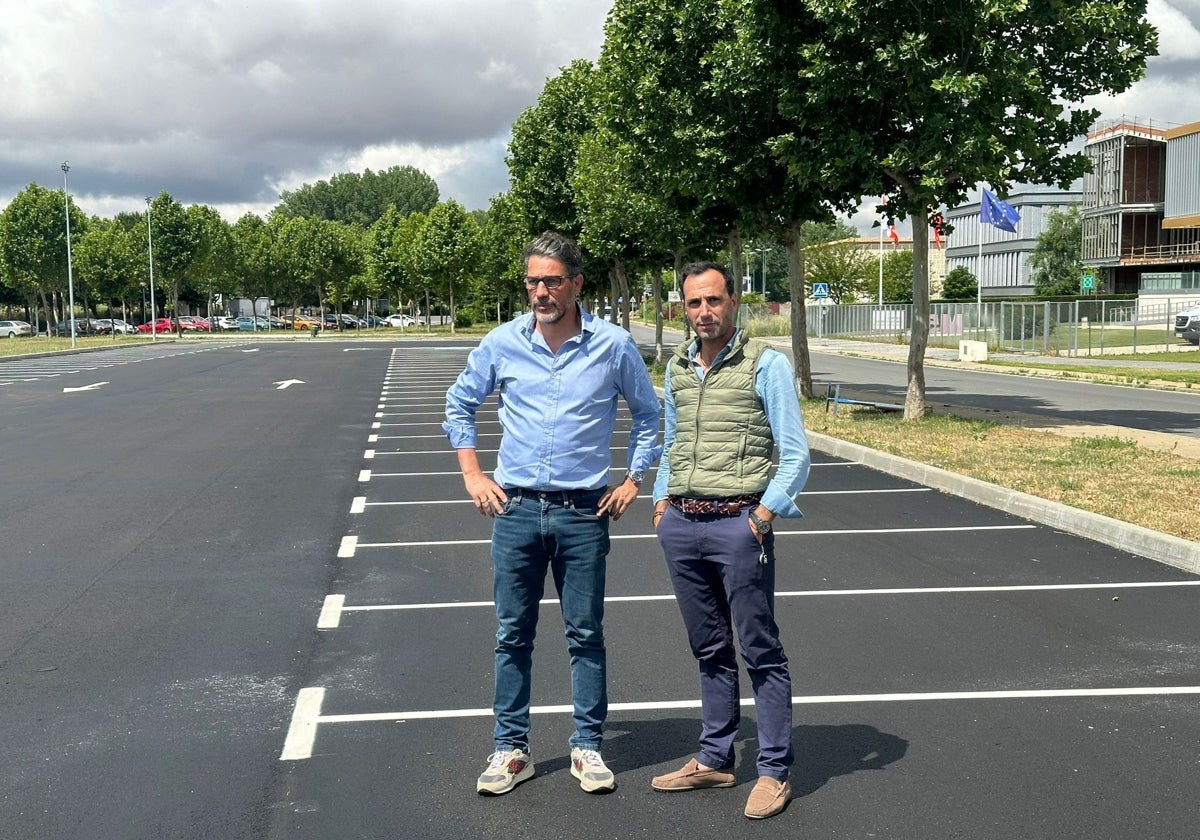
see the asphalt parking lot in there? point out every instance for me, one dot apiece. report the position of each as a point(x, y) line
point(958, 671)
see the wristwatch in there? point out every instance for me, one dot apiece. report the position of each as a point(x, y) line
point(761, 525)
point(635, 477)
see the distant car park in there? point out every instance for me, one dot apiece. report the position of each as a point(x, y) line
point(12, 329)
point(400, 320)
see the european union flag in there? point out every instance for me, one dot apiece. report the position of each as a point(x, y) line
point(999, 213)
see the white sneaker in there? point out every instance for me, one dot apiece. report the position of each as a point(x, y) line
point(506, 770)
point(588, 767)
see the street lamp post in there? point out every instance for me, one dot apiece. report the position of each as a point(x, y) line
point(764, 250)
point(70, 279)
point(143, 285)
point(150, 248)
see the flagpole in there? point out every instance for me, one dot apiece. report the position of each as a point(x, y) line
point(882, 200)
point(979, 279)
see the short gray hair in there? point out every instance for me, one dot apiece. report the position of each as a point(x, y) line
point(556, 247)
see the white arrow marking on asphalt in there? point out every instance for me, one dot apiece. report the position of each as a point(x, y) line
point(287, 382)
point(255, 350)
point(91, 387)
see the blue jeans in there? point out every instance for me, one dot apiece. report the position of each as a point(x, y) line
point(559, 531)
point(720, 585)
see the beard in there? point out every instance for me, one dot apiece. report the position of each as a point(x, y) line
point(554, 316)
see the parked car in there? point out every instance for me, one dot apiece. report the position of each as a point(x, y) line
point(223, 322)
point(193, 323)
point(370, 320)
point(399, 320)
point(277, 323)
point(250, 323)
point(111, 325)
point(159, 326)
point(300, 322)
point(1187, 325)
point(12, 329)
point(81, 326)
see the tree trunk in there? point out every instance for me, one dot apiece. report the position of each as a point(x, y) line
point(795, 261)
point(656, 303)
point(914, 398)
point(621, 293)
point(687, 328)
point(735, 257)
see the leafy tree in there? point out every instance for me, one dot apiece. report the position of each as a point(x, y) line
point(361, 199)
point(965, 93)
point(960, 284)
point(1056, 263)
point(214, 267)
point(841, 265)
point(448, 252)
point(255, 257)
point(502, 236)
point(323, 256)
point(176, 243)
point(545, 145)
point(898, 277)
point(107, 259)
point(33, 243)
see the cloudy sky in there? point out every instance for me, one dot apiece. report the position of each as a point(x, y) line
point(228, 102)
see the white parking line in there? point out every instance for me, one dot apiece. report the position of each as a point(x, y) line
point(307, 715)
point(778, 533)
point(335, 605)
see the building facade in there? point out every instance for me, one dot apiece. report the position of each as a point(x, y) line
point(1141, 209)
point(997, 259)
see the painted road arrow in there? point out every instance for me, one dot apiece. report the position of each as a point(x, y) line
point(285, 383)
point(91, 387)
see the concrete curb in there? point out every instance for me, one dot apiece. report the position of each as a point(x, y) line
point(1162, 548)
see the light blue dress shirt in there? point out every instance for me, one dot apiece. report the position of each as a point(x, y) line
point(558, 411)
point(776, 388)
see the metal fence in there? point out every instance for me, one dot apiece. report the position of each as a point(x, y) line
point(1080, 327)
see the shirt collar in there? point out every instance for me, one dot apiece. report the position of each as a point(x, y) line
point(694, 348)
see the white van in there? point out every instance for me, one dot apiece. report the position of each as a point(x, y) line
point(1187, 325)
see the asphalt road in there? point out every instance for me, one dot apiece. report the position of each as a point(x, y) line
point(886, 380)
point(236, 608)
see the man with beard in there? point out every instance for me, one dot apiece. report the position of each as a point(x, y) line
point(559, 371)
point(730, 401)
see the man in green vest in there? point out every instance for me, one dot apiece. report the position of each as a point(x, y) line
point(729, 402)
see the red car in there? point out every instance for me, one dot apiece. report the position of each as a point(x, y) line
point(194, 323)
point(160, 326)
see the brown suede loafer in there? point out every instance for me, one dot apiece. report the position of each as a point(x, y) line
point(768, 798)
point(693, 777)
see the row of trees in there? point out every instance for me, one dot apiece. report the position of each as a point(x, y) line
point(706, 126)
point(353, 238)
point(706, 123)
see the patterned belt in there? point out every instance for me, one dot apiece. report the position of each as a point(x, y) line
point(719, 507)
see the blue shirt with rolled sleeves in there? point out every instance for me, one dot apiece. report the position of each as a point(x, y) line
point(558, 411)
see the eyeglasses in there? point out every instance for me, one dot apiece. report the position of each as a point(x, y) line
point(552, 282)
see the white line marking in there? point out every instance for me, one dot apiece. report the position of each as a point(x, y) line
point(331, 612)
point(364, 475)
point(805, 593)
point(812, 700)
point(845, 532)
point(303, 730)
point(348, 547)
point(376, 425)
point(359, 504)
point(369, 454)
point(372, 438)
point(642, 496)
